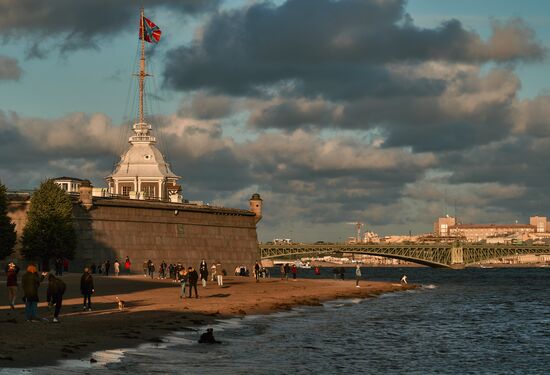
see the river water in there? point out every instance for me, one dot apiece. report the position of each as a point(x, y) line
point(473, 321)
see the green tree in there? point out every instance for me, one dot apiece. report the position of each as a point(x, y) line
point(7, 228)
point(49, 232)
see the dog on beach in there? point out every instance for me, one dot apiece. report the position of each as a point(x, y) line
point(120, 304)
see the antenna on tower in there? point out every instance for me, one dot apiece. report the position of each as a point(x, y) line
point(446, 211)
point(358, 226)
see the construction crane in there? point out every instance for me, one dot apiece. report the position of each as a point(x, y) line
point(358, 226)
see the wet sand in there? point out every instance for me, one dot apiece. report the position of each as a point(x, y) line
point(153, 309)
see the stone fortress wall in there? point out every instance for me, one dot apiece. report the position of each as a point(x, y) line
point(173, 232)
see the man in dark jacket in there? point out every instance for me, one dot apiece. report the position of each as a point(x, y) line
point(56, 289)
point(87, 289)
point(193, 278)
point(107, 267)
point(59, 267)
point(30, 282)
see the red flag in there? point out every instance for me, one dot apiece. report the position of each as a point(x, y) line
point(149, 32)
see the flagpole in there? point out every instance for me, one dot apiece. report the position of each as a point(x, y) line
point(142, 73)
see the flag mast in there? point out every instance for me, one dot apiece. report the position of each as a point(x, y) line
point(142, 73)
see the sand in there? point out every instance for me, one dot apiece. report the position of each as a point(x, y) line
point(153, 310)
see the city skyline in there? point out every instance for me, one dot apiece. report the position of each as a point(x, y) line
point(386, 112)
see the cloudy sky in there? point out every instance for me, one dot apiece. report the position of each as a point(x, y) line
point(390, 112)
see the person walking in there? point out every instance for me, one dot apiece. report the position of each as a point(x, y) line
point(219, 273)
point(213, 273)
point(282, 270)
point(145, 268)
point(257, 272)
point(203, 270)
point(183, 278)
point(357, 275)
point(56, 289)
point(107, 267)
point(193, 279)
point(116, 267)
point(58, 267)
point(286, 271)
point(403, 280)
point(152, 269)
point(31, 282)
point(342, 273)
point(87, 289)
point(127, 265)
point(294, 272)
point(163, 269)
point(11, 282)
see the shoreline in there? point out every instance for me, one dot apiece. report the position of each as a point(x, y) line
point(154, 310)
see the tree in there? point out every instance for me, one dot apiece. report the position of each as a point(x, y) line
point(7, 228)
point(49, 232)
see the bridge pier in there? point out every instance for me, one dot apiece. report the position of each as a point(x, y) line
point(457, 256)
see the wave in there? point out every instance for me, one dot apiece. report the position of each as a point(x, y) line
point(429, 286)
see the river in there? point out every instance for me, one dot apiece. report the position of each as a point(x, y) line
point(472, 321)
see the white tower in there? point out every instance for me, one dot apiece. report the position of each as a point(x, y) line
point(142, 172)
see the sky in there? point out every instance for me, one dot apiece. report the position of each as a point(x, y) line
point(387, 112)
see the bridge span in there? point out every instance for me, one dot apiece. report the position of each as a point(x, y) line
point(447, 255)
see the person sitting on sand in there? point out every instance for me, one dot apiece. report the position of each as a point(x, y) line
point(403, 280)
point(208, 337)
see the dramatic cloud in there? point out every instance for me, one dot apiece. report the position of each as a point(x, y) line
point(338, 50)
point(78, 24)
point(9, 69)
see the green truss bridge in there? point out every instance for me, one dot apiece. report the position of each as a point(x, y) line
point(447, 255)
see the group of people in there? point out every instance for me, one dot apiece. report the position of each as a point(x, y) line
point(61, 265)
point(260, 272)
point(165, 271)
point(30, 283)
point(189, 277)
point(104, 268)
point(286, 269)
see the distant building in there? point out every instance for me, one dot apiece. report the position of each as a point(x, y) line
point(69, 184)
point(540, 223)
point(494, 233)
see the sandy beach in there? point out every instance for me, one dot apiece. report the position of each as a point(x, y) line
point(153, 309)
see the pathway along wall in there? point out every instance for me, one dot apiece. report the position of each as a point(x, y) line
point(176, 233)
